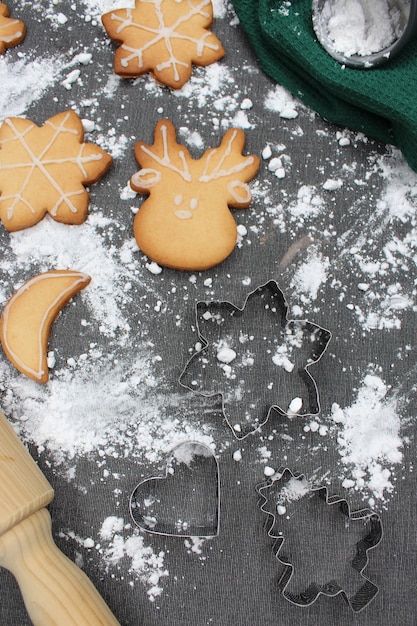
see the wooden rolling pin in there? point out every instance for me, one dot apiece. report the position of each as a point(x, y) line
point(55, 591)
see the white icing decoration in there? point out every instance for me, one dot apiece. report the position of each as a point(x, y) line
point(146, 177)
point(183, 214)
point(205, 177)
point(16, 34)
point(217, 172)
point(236, 185)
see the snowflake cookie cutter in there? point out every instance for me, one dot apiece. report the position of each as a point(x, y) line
point(185, 501)
point(355, 588)
point(256, 359)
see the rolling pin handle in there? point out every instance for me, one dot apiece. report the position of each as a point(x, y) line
point(55, 591)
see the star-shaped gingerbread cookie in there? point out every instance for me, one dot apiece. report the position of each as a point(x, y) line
point(163, 37)
point(45, 170)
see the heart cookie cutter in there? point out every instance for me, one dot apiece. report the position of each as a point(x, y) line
point(256, 359)
point(356, 589)
point(185, 501)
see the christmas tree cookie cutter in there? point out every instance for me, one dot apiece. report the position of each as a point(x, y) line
point(292, 504)
point(185, 500)
point(256, 359)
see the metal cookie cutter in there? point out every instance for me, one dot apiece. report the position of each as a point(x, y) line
point(323, 545)
point(185, 502)
point(256, 359)
point(364, 33)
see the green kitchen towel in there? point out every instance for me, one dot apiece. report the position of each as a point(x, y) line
point(380, 102)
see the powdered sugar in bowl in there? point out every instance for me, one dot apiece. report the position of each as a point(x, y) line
point(364, 33)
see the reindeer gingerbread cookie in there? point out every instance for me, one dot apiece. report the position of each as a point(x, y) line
point(185, 223)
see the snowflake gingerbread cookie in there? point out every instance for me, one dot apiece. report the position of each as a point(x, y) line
point(163, 37)
point(186, 223)
point(12, 31)
point(45, 170)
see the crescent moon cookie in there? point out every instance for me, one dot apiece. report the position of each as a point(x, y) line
point(163, 37)
point(186, 223)
point(45, 170)
point(28, 316)
point(12, 31)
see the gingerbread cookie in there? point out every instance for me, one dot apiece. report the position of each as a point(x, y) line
point(27, 318)
point(186, 223)
point(163, 37)
point(12, 31)
point(45, 169)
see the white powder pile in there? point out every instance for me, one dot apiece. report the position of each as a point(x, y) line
point(26, 80)
point(281, 101)
point(294, 489)
point(308, 202)
point(118, 544)
point(360, 27)
point(211, 86)
point(369, 440)
point(311, 276)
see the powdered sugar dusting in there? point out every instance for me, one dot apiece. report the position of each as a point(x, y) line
point(281, 101)
point(311, 276)
point(368, 435)
point(25, 80)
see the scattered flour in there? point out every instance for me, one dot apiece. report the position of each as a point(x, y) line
point(310, 276)
point(369, 438)
point(307, 204)
point(220, 8)
point(25, 81)
point(118, 543)
point(279, 100)
point(206, 88)
point(96, 408)
point(293, 490)
point(144, 563)
point(94, 9)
